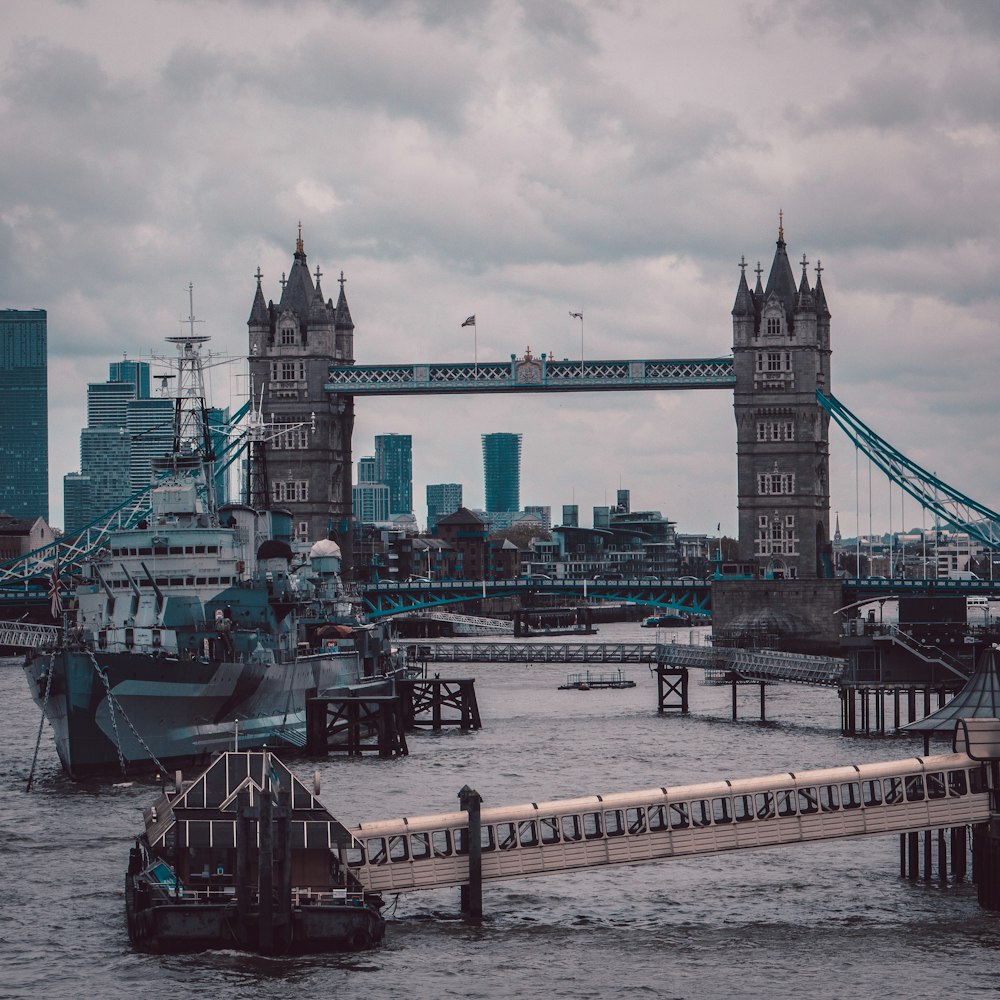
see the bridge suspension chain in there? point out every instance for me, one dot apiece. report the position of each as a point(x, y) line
point(933, 494)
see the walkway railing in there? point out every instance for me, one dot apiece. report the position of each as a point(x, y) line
point(25, 635)
point(532, 652)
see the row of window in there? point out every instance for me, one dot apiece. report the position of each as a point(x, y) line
point(168, 550)
point(288, 371)
point(775, 430)
point(774, 483)
point(294, 439)
point(176, 581)
point(770, 362)
point(697, 813)
point(290, 490)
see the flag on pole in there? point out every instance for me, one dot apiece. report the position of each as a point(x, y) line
point(471, 321)
point(576, 315)
point(54, 596)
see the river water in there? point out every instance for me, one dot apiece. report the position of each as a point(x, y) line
point(821, 920)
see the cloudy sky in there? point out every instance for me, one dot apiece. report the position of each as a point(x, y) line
point(518, 160)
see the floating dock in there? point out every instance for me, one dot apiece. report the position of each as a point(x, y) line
point(588, 681)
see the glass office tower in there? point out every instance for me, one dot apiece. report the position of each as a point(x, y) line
point(502, 471)
point(24, 413)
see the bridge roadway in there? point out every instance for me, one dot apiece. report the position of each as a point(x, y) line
point(684, 595)
point(531, 374)
point(539, 838)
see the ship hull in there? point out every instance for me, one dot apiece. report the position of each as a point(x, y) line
point(168, 711)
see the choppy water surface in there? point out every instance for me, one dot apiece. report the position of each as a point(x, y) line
point(823, 920)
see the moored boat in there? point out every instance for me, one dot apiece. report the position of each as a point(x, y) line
point(193, 633)
point(246, 856)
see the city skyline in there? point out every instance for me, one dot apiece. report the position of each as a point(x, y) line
point(556, 163)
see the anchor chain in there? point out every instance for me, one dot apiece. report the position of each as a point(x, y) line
point(41, 722)
point(112, 703)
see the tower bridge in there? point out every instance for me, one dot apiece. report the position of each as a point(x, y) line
point(304, 371)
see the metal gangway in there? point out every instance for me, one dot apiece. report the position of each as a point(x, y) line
point(462, 624)
point(533, 652)
point(722, 664)
point(941, 792)
point(26, 635)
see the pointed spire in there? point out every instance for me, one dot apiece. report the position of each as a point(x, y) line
point(819, 295)
point(297, 292)
point(318, 310)
point(744, 305)
point(781, 280)
point(258, 311)
point(344, 321)
point(804, 300)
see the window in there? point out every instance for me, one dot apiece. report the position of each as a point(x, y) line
point(571, 828)
point(506, 836)
point(872, 792)
point(893, 788)
point(290, 491)
point(775, 430)
point(657, 818)
point(420, 846)
point(786, 802)
point(592, 825)
point(678, 815)
point(527, 835)
point(773, 326)
point(764, 802)
point(957, 784)
point(743, 808)
point(397, 848)
point(549, 829)
point(722, 811)
point(829, 798)
point(914, 788)
point(613, 823)
point(808, 801)
point(287, 335)
point(635, 820)
point(775, 483)
point(376, 851)
point(441, 842)
point(701, 812)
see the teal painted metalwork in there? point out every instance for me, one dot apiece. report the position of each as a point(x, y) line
point(934, 495)
point(531, 374)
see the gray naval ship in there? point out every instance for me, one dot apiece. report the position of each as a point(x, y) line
point(194, 635)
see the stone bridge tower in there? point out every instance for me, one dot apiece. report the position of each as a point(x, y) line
point(781, 352)
point(292, 345)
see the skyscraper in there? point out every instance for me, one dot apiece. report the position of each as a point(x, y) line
point(442, 499)
point(502, 471)
point(24, 413)
point(394, 467)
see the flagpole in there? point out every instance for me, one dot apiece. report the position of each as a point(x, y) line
point(475, 346)
point(579, 316)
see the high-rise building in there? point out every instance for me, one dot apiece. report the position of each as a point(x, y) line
point(24, 413)
point(371, 502)
point(502, 471)
point(149, 425)
point(77, 505)
point(571, 515)
point(136, 372)
point(394, 467)
point(442, 499)
point(367, 469)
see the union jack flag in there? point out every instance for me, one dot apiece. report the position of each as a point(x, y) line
point(54, 595)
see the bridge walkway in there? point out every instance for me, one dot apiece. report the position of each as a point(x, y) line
point(25, 635)
point(532, 652)
point(539, 838)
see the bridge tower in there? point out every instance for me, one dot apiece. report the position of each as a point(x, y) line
point(781, 355)
point(292, 345)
